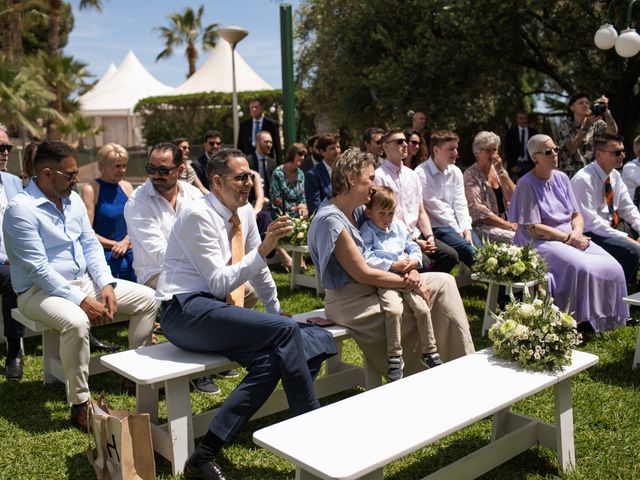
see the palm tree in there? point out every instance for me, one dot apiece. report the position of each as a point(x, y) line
point(53, 39)
point(186, 28)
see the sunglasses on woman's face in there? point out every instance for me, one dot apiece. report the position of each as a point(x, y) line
point(6, 148)
point(414, 143)
point(550, 151)
point(163, 171)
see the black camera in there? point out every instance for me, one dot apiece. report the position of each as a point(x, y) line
point(598, 109)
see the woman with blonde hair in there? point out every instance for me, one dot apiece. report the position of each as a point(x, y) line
point(105, 198)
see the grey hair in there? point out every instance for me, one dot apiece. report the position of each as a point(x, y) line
point(351, 161)
point(535, 143)
point(484, 139)
point(636, 146)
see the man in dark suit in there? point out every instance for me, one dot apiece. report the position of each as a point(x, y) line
point(518, 159)
point(250, 128)
point(317, 181)
point(212, 145)
point(261, 162)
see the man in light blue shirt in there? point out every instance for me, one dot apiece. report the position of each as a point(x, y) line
point(59, 272)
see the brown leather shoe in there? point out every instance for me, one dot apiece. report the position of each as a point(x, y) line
point(80, 416)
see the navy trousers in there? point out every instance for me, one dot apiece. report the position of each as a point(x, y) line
point(12, 328)
point(465, 250)
point(271, 347)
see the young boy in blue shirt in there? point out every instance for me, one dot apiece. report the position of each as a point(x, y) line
point(389, 247)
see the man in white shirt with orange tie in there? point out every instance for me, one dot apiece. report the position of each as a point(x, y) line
point(214, 249)
point(604, 201)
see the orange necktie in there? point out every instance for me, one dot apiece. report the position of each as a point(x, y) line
point(237, 252)
point(608, 196)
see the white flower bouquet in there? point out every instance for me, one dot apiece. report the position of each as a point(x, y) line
point(300, 230)
point(501, 262)
point(537, 335)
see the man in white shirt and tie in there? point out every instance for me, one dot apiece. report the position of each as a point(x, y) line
point(214, 249)
point(604, 200)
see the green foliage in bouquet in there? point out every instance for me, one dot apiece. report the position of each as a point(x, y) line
point(502, 263)
point(537, 335)
point(300, 231)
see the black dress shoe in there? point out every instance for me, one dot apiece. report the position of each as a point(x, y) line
point(96, 345)
point(207, 471)
point(632, 322)
point(80, 416)
point(14, 369)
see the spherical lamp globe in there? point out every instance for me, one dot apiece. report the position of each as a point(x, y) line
point(605, 37)
point(628, 43)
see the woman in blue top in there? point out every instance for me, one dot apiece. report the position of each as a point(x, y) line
point(105, 198)
point(351, 298)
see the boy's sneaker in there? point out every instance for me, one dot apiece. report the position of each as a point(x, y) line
point(396, 364)
point(431, 360)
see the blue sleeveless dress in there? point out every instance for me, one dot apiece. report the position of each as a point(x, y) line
point(108, 221)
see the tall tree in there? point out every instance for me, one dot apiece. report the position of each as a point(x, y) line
point(55, 21)
point(367, 63)
point(186, 29)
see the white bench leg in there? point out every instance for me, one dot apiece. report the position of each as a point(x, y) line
point(490, 306)
point(564, 426)
point(636, 356)
point(147, 401)
point(179, 422)
point(50, 353)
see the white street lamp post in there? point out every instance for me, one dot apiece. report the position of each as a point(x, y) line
point(233, 35)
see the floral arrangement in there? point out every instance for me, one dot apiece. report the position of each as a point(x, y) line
point(537, 335)
point(502, 262)
point(300, 230)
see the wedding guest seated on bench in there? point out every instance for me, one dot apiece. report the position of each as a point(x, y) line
point(582, 276)
point(213, 250)
point(60, 273)
point(351, 298)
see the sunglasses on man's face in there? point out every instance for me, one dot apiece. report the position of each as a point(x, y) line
point(398, 141)
point(6, 148)
point(550, 151)
point(214, 144)
point(617, 152)
point(163, 171)
point(243, 177)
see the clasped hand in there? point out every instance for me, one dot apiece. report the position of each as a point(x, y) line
point(413, 281)
point(100, 313)
point(577, 240)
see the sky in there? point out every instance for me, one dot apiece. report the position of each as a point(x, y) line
point(101, 38)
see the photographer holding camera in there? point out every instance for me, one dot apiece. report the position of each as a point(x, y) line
point(576, 133)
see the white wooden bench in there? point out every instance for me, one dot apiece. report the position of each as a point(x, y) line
point(492, 296)
point(298, 277)
point(169, 366)
point(356, 437)
point(634, 300)
point(51, 349)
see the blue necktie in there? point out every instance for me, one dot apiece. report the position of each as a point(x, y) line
point(257, 124)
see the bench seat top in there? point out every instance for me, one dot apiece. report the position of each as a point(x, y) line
point(357, 435)
point(165, 361)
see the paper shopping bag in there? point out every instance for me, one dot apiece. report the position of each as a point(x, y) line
point(123, 444)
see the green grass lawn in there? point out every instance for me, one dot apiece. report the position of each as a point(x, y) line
point(38, 442)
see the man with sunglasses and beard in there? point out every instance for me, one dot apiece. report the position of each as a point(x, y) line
point(151, 212)
point(213, 254)
point(604, 201)
point(60, 274)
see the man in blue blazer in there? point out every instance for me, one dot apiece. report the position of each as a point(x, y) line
point(10, 185)
point(317, 181)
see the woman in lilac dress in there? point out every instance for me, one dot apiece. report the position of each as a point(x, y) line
point(582, 276)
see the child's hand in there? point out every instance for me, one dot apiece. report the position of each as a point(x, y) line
point(403, 266)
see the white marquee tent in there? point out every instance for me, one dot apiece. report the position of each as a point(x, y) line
point(215, 74)
point(111, 101)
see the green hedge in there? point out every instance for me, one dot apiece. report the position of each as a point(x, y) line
point(168, 117)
